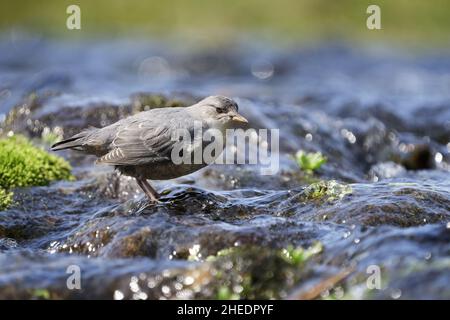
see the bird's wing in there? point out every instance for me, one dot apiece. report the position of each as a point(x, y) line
point(142, 141)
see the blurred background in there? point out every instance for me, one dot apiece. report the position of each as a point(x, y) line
point(407, 22)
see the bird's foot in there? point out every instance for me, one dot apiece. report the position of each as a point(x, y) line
point(151, 193)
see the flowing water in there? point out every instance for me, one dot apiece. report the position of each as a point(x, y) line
point(381, 202)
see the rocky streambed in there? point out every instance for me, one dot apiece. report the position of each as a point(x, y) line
point(372, 222)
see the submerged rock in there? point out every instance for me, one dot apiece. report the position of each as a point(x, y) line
point(401, 202)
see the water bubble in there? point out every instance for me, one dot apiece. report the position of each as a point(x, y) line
point(184, 294)
point(438, 157)
point(188, 280)
point(357, 240)
point(151, 283)
point(339, 292)
point(118, 295)
point(308, 137)
point(178, 286)
point(262, 69)
point(325, 294)
point(134, 286)
point(396, 293)
point(238, 289)
point(154, 66)
point(194, 252)
point(348, 135)
point(165, 290)
point(140, 296)
point(228, 265)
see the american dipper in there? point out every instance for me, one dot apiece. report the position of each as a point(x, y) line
point(141, 145)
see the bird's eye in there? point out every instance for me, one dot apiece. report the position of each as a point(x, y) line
point(221, 110)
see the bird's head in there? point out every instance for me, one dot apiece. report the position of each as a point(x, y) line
point(219, 111)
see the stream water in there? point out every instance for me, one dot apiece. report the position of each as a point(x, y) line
point(380, 116)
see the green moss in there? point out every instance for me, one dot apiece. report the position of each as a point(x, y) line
point(5, 198)
point(326, 190)
point(297, 256)
point(40, 294)
point(22, 165)
point(225, 293)
point(310, 161)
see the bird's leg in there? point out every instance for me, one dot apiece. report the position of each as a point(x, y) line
point(148, 190)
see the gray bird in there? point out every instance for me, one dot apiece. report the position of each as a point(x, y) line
point(141, 145)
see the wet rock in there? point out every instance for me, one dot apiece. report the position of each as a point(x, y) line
point(36, 114)
point(422, 120)
point(252, 273)
point(243, 272)
point(410, 257)
point(35, 214)
point(145, 101)
point(392, 202)
point(7, 244)
point(43, 276)
point(212, 221)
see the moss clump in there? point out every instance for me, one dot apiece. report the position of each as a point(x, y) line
point(326, 190)
point(41, 294)
point(5, 198)
point(310, 161)
point(22, 165)
point(297, 256)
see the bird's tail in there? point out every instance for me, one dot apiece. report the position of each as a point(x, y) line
point(75, 142)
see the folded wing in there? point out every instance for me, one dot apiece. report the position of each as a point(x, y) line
point(139, 142)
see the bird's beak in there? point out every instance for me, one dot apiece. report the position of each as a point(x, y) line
point(239, 118)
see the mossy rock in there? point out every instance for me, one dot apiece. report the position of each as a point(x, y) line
point(22, 165)
point(326, 190)
point(146, 101)
point(253, 272)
